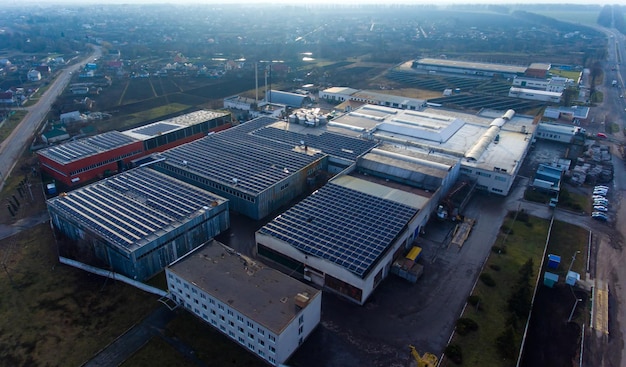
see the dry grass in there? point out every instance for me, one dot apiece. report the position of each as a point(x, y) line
point(57, 315)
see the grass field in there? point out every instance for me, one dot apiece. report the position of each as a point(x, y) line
point(566, 239)
point(566, 73)
point(526, 241)
point(157, 350)
point(7, 127)
point(578, 17)
point(210, 346)
point(54, 315)
point(130, 120)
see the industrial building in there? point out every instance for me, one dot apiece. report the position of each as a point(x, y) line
point(265, 311)
point(345, 235)
point(137, 222)
point(535, 95)
point(574, 114)
point(294, 100)
point(342, 94)
point(557, 132)
point(489, 147)
point(260, 165)
point(468, 68)
point(165, 134)
point(85, 160)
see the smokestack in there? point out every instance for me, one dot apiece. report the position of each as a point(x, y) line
point(270, 100)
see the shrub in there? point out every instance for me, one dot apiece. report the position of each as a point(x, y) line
point(495, 267)
point(464, 325)
point(453, 351)
point(473, 300)
point(506, 229)
point(487, 279)
point(522, 216)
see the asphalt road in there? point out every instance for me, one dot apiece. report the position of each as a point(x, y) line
point(11, 148)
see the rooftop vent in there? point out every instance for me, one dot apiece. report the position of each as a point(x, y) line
point(302, 299)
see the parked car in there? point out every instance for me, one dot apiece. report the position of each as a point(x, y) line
point(601, 187)
point(600, 208)
point(599, 216)
point(594, 197)
point(600, 192)
point(602, 135)
point(601, 203)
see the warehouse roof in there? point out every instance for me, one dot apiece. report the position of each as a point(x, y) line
point(79, 149)
point(343, 225)
point(473, 65)
point(128, 208)
point(257, 154)
point(444, 133)
point(286, 98)
point(260, 293)
point(174, 123)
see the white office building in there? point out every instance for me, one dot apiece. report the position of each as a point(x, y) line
point(265, 311)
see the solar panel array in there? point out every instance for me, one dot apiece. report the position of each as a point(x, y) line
point(257, 156)
point(128, 207)
point(156, 128)
point(234, 155)
point(347, 227)
point(72, 151)
point(332, 144)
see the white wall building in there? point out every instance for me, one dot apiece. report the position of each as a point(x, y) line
point(490, 147)
point(265, 311)
point(530, 83)
point(33, 75)
point(342, 94)
point(536, 95)
point(556, 132)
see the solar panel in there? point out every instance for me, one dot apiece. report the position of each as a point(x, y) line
point(156, 129)
point(342, 225)
point(72, 151)
point(128, 207)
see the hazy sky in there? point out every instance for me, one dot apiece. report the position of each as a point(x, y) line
point(313, 2)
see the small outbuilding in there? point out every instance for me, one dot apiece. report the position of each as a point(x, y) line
point(550, 279)
point(553, 261)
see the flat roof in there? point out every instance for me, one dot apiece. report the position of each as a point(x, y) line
point(557, 128)
point(536, 91)
point(260, 293)
point(80, 149)
point(581, 112)
point(348, 227)
point(540, 66)
point(400, 100)
point(175, 123)
point(261, 152)
point(442, 133)
point(341, 90)
point(473, 65)
point(134, 207)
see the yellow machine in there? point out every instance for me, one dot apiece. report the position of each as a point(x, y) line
point(427, 360)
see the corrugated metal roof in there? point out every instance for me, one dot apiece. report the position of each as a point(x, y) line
point(127, 208)
point(73, 151)
point(286, 98)
point(255, 155)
